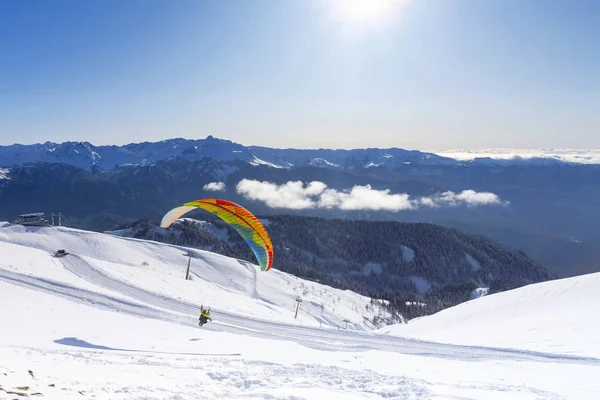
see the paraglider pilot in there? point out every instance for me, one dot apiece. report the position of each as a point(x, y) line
point(204, 316)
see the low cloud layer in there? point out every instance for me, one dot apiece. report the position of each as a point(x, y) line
point(214, 186)
point(580, 156)
point(296, 195)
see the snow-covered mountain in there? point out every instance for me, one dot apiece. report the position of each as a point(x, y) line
point(86, 155)
point(349, 159)
point(116, 319)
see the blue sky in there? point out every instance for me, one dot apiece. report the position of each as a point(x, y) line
point(433, 74)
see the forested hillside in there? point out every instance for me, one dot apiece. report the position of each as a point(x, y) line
point(421, 268)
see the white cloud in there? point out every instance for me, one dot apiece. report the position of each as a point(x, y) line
point(296, 195)
point(365, 198)
point(477, 198)
point(214, 186)
point(466, 197)
point(291, 195)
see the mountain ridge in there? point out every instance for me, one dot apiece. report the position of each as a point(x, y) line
point(86, 155)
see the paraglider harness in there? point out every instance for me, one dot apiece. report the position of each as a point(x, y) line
point(204, 316)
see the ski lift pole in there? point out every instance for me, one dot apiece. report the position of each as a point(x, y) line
point(187, 273)
point(298, 301)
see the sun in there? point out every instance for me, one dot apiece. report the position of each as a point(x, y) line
point(365, 13)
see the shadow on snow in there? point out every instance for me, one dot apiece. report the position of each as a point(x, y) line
point(74, 342)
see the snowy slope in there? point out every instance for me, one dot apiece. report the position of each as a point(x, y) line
point(113, 320)
point(225, 284)
point(561, 316)
point(75, 351)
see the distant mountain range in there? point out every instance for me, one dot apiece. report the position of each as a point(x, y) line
point(87, 156)
point(546, 208)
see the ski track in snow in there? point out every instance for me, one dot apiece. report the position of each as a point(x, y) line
point(175, 311)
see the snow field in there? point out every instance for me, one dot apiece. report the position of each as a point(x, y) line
point(116, 320)
point(147, 359)
point(559, 316)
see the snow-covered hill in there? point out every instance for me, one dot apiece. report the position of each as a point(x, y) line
point(116, 320)
point(228, 285)
point(560, 316)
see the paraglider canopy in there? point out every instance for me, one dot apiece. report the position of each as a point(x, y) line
point(242, 220)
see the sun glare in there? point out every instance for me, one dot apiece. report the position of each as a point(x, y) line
point(364, 12)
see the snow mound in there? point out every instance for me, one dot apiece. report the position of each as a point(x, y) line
point(559, 316)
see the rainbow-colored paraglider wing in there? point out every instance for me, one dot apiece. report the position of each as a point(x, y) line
point(242, 220)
